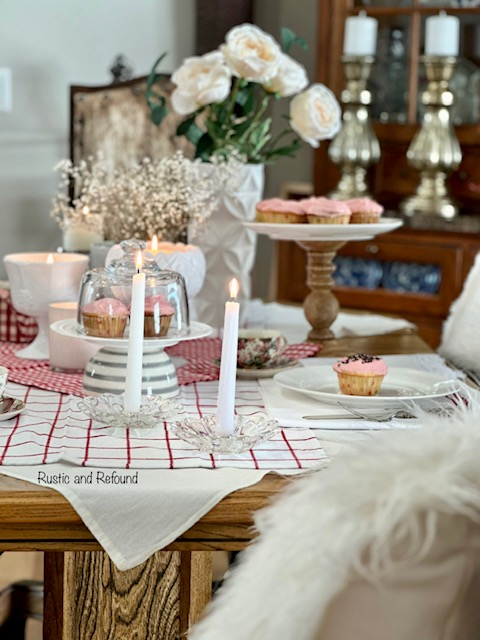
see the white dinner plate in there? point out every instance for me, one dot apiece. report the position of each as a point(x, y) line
point(72, 329)
point(399, 385)
point(324, 231)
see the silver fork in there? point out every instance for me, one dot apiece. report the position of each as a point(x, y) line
point(384, 417)
point(402, 414)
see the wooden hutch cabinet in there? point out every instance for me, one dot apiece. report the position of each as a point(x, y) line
point(418, 270)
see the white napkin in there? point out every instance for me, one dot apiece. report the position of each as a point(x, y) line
point(289, 407)
point(353, 324)
point(460, 338)
point(291, 321)
point(132, 521)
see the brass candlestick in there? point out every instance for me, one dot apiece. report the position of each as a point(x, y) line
point(356, 146)
point(435, 150)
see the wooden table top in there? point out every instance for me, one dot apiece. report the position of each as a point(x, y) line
point(39, 518)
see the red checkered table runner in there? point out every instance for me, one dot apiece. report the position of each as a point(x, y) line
point(14, 326)
point(53, 429)
point(200, 355)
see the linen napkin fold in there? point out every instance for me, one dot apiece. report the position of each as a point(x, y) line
point(291, 321)
point(132, 521)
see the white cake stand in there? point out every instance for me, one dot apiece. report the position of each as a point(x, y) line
point(321, 242)
point(105, 371)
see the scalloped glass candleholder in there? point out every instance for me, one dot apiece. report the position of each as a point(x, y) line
point(248, 433)
point(109, 409)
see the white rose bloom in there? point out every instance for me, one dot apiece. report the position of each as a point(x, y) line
point(251, 53)
point(315, 114)
point(200, 80)
point(290, 79)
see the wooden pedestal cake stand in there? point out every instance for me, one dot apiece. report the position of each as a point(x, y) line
point(321, 242)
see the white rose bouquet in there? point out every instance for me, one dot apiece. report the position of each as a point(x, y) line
point(224, 96)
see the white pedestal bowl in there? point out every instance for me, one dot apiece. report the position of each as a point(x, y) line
point(36, 280)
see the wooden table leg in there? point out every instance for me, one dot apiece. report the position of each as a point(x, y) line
point(87, 597)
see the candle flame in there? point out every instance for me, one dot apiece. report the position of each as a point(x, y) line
point(50, 259)
point(139, 261)
point(85, 210)
point(154, 244)
point(233, 288)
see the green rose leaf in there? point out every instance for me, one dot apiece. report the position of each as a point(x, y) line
point(158, 112)
point(290, 38)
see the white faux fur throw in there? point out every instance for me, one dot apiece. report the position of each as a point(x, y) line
point(314, 535)
point(461, 331)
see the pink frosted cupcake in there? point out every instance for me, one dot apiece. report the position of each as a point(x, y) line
point(105, 318)
point(326, 211)
point(277, 210)
point(364, 210)
point(158, 316)
point(360, 375)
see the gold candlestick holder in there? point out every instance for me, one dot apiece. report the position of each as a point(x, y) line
point(356, 146)
point(435, 151)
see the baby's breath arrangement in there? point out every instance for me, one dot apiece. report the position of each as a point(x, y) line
point(80, 200)
point(167, 197)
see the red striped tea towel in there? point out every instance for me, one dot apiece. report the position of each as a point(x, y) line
point(52, 429)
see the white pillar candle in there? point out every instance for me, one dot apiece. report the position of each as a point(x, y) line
point(133, 380)
point(441, 35)
point(360, 37)
point(228, 365)
point(79, 239)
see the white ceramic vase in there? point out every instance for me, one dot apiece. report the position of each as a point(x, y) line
point(229, 248)
point(185, 259)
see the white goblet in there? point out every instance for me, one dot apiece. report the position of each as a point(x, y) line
point(36, 280)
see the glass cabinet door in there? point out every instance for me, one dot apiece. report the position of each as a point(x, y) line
point(398, 79)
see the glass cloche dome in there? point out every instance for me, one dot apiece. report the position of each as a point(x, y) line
point(105, 297)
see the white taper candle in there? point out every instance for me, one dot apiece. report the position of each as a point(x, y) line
point(228, 365)
point(133, 380)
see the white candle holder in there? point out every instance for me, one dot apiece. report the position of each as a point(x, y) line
point(109, 409)
point(36, 280)
point(248, 433)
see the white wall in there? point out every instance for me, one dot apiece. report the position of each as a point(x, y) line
point(49, 45)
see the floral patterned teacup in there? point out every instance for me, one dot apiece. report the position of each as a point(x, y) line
point(259, 348)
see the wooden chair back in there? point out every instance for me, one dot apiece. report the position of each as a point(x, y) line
point(115, 120)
